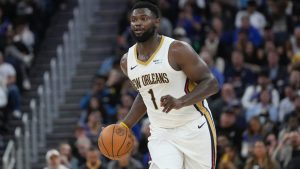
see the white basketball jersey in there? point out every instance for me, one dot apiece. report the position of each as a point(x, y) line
point(156, 78)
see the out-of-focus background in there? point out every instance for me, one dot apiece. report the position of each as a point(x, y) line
point(60, 79)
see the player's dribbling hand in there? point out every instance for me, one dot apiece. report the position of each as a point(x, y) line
point(168, 103)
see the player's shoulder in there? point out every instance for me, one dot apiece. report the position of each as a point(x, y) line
point(124, 58)
point(178, 47)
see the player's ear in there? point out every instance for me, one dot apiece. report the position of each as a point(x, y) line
point(157, 22)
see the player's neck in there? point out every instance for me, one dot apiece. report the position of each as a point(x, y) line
point(149, 46)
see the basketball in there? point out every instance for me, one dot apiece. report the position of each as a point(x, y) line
point(115, 141)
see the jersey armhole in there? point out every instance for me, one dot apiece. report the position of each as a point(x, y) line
point(168, 61)
point(130, 60)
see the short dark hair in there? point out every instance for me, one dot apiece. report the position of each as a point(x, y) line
point(151, 5)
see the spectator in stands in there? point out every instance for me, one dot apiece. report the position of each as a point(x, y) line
point(264, 108)
point(8, 73)
point(253, 133)
point(257, 20)
point(83, 144)
point(292, 124)
point(19, 56)
point(209, 60)
point(286, 105)
point(271, 143)
point(293, 46)
point(227, 127)
point(111, 62)
point(128, 88)
point(212, 42)
point(66, 156)
point(125, 161)
point(239, 111)
point(277, 72)
point(214, 46)
point(294, 79)
point(252, 59)
point(230, 159)
point(93, 160)
point(97, 90)
point(80, 144)
point(253, 92)
point(127, 100)
point(248, 32)
point(165, 27)
point(225, 38)
point(53, 160)
point(260, 158)
point(227, 98)
point(189, 21)
point(237, 74)
point(94, 106)
point(113, 88)
point(288, 148)
point(222, 143)
point(217, 11)
point(197, 3)
point(125, 40)
point(277, 12)
point(297, 105)
point(25, 36)
point(179, 33)
point(93, 126)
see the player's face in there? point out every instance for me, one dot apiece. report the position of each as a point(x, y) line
point(143, 24)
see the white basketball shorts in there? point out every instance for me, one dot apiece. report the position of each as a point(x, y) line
point(192, 146)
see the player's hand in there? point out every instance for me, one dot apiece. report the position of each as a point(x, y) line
point(168, 103)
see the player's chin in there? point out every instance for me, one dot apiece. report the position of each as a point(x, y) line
point(138, 35)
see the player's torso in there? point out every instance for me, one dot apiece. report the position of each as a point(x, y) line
point(156, 78)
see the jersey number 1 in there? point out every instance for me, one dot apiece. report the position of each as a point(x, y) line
point(153, 98)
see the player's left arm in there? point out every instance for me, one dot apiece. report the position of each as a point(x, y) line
point(183, 57)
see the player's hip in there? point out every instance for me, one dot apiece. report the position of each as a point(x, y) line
point(199, 126)
point(173, 119)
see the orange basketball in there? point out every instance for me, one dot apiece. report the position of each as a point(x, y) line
point(115, 141)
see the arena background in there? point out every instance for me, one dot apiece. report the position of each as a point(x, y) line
point(61, 81)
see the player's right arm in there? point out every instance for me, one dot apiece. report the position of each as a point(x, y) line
point(138, 108)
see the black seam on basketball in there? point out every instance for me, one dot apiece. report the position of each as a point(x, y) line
point(112, 142)
point(129, 149)
point(122, 143)
point(123, 154)
point(104, 145)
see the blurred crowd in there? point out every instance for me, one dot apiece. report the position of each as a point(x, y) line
point(253, 49)
point(22, 26)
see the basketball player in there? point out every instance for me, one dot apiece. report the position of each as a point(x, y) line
point(173, 83)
